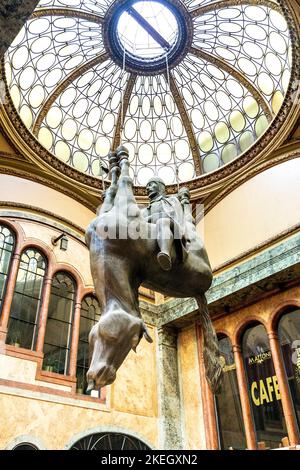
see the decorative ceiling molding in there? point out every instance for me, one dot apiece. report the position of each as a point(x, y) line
point(123, 110)
point(230, 3)
point(187, 125)
point(222, 64)
point(26, 144)
point(62, 86)
point(67, 13)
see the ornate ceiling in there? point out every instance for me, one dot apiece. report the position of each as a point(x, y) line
point(199, 83)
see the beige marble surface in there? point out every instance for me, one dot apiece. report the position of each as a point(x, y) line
point(135, 390)
point(192, 412)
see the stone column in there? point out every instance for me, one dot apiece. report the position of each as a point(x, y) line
point(209, 412)
point(168, 385)
point(244, 397)
point(44, 313)
point(287, 406)
point(13, 14)
point(75, 335)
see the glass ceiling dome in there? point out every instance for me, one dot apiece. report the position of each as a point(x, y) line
point(186, 85)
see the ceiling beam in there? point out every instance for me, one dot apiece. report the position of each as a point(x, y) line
point(62, 86)
point(67, 13)
point(187, 125)
point(223, 65)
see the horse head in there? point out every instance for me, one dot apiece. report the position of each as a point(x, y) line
point(110, 341)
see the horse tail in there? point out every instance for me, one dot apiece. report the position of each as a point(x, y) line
point(211, 353)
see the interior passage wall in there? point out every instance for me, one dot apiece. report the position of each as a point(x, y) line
point(258, 210)
point(22, 191)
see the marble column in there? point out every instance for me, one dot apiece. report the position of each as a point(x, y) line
point(244, 397)
point(13, 14)
point(44, 313)
point(287, 406)
point(75, 335)
point(169, 394)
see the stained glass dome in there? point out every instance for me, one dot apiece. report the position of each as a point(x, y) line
point(188, 86)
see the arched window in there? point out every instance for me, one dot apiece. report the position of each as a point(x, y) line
point(25, 446)
point(230, 418)
point(58, 334)
point(24, 312)
point(263, 386)
point(289, 337)
point(109, 441)
point(7, 243)
point(90, 314)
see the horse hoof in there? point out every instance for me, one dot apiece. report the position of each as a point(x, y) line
point(164, 261)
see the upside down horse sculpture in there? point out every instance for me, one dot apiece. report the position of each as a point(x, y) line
point(123, 256)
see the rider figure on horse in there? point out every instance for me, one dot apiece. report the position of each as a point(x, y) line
point(168, 215)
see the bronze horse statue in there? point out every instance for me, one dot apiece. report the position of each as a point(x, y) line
point(124, 256)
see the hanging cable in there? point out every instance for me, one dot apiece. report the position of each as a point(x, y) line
point(172, 111)
point(122, 95)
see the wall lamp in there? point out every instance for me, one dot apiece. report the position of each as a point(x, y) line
point(63, 241)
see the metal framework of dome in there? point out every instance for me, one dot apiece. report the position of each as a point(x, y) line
point(229, 69)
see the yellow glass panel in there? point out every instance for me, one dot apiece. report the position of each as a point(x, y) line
point(54, 117)
point(250, 106)
point(205, 141)
point(237, 121)
point(246, 140)
point(15, 95)
point(26, 116)
point(222, 132)
point(261, 125)
point(229, 153)
point(210, 163)
point(80, 161)
point(62, 151)
point(277, 101)
point(85, 139)
point(45, 137)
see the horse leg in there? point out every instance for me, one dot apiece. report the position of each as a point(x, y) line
point(110, 194)
point(211, 353)
point(125, 185)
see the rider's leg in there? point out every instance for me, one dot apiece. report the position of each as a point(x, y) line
point(165, 241)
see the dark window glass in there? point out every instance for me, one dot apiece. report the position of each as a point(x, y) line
point(90, 314)
point(230, 418)
point(25, 446)
point(289, 336)
point(109, 441)
point(7, 243)
point(59, 324)
point(26, 303)
point(264, 391)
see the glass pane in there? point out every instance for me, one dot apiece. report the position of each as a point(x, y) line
point(289, 336)
point(264, 391)
point(59, 324)
point(231, 425)
point(27, 299)
point(90, 314)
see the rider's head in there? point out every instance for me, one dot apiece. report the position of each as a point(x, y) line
point(155, 187)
